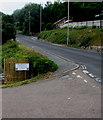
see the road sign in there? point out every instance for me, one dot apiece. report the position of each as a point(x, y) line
point(21, 66)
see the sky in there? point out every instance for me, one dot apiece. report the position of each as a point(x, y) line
point(8, 6)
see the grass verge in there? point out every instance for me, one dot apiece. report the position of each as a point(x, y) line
point(28, 81)
point(79, 37)
point(41, 65)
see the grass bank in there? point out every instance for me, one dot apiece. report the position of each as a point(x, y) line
point(41, 64)
point(79, 37)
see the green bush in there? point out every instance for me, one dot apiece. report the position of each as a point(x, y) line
point(85, 42)
point(40, 63)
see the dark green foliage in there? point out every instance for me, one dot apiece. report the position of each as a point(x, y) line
point(54, 12)
point(85, 11)
point(78, 11)
point(40, 65)
point(23, 19)
point(8, 30)
point(50, 14)
point(85, 42)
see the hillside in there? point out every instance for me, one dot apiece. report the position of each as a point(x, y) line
point(78, 37)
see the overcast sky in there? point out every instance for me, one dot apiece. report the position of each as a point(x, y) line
point(8, 6)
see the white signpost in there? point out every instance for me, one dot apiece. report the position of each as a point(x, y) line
point(21, 66)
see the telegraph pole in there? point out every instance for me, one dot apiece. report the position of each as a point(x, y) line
point(29, 23)
point(40, 17)
point(68, 42)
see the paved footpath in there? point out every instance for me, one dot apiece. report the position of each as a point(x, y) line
point(70, 95)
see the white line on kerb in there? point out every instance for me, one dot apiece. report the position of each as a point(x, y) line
point(91, 75)
point(85, 71)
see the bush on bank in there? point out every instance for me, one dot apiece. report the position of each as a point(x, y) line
point(41, 64)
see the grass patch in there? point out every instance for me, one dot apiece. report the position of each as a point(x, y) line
point(55, 36)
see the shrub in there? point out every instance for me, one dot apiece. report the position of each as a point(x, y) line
point(85, 42)
point(42, 65)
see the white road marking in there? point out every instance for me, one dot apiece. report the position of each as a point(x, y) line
point(85, 81)
point(70, 78)
point(78, 76)
point(69, 98)
point(73, 73)
point(91, 75)
point(67, 76)
point(83, 66)
point(98, 79)
point(56, 44)
point(85, 71)
point(93, 86)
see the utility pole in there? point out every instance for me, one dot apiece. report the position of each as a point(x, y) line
point(68, 42)
point(29, 23)
point(40, 17)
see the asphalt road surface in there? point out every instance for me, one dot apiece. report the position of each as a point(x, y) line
point(73, 95)
point(91, 60)
point(70, 94)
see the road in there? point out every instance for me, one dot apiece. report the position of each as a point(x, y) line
point(70, 94)
point(73, 95)
point(91, 60)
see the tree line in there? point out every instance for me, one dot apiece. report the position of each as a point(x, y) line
point(28, 18)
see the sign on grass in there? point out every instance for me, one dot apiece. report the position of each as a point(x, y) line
point(21, 66)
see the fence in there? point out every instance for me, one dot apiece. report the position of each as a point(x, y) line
point(16, 70)
point(97, 23)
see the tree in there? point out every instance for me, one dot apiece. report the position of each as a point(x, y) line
point(22, 18)
point(8, 30)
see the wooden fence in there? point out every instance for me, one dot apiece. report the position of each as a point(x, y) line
point(10, 72)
